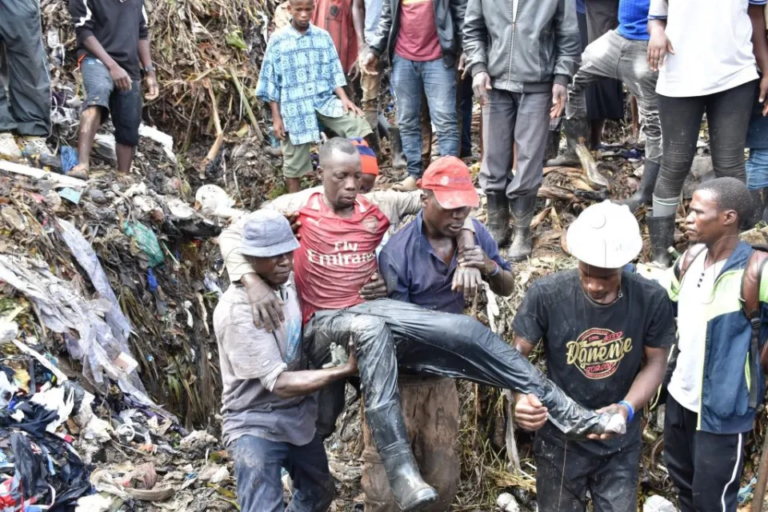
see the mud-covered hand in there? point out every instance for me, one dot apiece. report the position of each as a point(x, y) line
point(559, 98)
point(467, 280)
point(375, 288)
point(339, 356)
point(351, 359)
point(530, 414)
point(371, 63)
point(349, 106)
point(153, 90)
point(481, 84)
point(266, 306)
point(613, 409)
point(475, 257)
point(293, 218)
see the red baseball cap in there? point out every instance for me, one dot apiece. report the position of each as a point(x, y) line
point(449, 179)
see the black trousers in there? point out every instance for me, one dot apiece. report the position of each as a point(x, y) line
point(704, 467)
point(728, 115)
point(389, 334)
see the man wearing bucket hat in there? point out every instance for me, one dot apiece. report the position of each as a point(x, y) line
point(418, 265)
point(597, 324)
point(268, 404)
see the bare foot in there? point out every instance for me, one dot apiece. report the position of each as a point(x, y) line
point(79, 171)
point(407, 185)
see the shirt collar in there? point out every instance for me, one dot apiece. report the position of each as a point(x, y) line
point(419, 220)
point(295, 33)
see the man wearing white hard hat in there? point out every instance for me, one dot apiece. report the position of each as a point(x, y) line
point(606, 334)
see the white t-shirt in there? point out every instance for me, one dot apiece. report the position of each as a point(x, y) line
point(695, 293)
point(712, 41)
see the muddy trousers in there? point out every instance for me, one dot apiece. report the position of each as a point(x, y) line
point(258, 463)
point(564, 475)
point(388, 333)
point(29, 109)
point(614, 56)
point(728, 119)
point(431, 414)
point(706, 468)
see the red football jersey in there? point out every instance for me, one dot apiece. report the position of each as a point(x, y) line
point(337, 255)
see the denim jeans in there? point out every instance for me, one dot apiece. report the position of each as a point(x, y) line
point(614, 56)
point(757, 169)
point(410, 79)
point(258, 463)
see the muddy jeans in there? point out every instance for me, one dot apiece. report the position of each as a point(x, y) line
point(613, 56)
point(388, 333)
point(258, 463)
point(564, 475)
point(431, 414)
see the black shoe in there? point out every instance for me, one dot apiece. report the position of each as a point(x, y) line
point(498, 217)
point(576, 132)
point(644, 194)
point(396, 145)
point(662, 231)
point(387, 426)
point(522, 214)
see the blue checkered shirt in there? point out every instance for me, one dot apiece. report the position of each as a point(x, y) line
point(300, 72)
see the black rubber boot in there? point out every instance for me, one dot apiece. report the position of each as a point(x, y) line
point(576, 132)
point(644, 194)
point(759, 206)
point(662, 231)
point(498, 217)
point(522, 214)
point(396, 145)
point(375, 144)
point(411, 492)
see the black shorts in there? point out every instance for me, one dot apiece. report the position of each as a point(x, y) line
point(123, 106)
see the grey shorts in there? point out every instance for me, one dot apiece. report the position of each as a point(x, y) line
point(123, 106)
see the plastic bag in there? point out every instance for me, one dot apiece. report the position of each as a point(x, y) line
point(28, 468)
point(147, 241)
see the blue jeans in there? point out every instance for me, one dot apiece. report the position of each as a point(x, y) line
point(410, 80)
point(257, 469)
point(757, 169)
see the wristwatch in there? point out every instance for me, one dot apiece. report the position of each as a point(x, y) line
point(147, 70)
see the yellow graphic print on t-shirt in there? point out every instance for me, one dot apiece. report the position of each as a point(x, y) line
point(597, 352)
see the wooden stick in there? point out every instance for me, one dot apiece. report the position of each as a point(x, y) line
point(219, 132)
point(60, 180)
point(247, 105)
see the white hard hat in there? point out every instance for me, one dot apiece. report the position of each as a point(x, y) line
point(605, 235)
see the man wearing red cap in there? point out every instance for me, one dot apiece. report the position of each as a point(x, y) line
point(339, 232)
point(418, 265)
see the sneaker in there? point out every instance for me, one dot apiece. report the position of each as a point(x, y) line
point(36, 146)
point(9, 150)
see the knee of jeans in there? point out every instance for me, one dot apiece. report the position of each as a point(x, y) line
point(248, 459)
point(366, 330)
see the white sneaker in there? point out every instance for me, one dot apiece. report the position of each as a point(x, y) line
point(9, 150)
point(35, 146)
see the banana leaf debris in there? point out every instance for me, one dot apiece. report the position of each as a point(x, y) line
point(109, 381)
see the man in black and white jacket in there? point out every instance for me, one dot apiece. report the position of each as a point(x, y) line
point(522, 55)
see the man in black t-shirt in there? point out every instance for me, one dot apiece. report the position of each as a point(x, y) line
point(113, 53)
point(606, 334)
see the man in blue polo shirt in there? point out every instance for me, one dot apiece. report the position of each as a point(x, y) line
point(418, 264)
point(620, 54)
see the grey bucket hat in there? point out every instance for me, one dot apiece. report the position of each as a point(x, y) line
point(267, 234)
